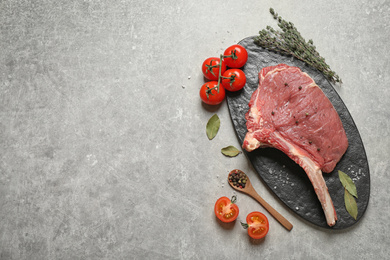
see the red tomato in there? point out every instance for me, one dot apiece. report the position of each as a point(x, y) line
point(257, 225)
point(210, 68)
point(233, 79)
point(209, 93)
point(235, 56)
point(226, 210)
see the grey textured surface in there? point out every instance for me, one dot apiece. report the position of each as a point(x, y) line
point(103, 152)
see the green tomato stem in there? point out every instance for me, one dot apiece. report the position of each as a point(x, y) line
point(233, 55)
point(211, 67)
point(244, 225)
point(227, 77)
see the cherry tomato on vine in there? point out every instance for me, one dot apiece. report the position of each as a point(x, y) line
point(235, 56)
point(233, 79)
point(210, 68)
point(226, 210)
point(257, 225)
point(210, 94)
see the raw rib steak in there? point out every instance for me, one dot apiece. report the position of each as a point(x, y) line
point(288, 111)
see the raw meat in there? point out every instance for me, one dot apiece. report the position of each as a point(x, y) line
point(288, 111)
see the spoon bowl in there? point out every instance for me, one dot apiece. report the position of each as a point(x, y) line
point(239, 181)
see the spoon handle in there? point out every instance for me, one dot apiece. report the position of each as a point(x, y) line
point(285, 223)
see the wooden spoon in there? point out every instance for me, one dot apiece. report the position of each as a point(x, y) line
point(246, 187)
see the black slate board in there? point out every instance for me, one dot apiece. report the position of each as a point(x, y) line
point(282, 175)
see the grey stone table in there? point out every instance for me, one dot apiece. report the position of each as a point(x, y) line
point(103, 151)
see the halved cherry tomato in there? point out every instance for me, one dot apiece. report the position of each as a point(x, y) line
point(235, 56)
point(209, 93)
point(210, 68)
point(233, 79)
point(257, 225)
point(226, 210)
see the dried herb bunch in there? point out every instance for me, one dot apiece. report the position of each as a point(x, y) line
point(289, 41)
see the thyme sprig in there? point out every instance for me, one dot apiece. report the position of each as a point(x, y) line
point(289, 41)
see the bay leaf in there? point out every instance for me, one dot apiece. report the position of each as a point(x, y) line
point(350, 204)
point(230, 151)
point(212, 126)
point(348, 183)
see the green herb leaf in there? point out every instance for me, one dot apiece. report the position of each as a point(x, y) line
point(230, 151)
point(212, 126)
point(350, 204)
point(348, 183)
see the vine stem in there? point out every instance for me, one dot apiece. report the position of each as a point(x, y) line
point(219, 72)
point(219, 76)
point(233, 56)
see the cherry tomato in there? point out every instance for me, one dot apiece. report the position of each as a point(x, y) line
point(210, 95)
point(235, 56)
point(233, 79)
point(257, 225)
point(226, 210)
point(210, 68)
